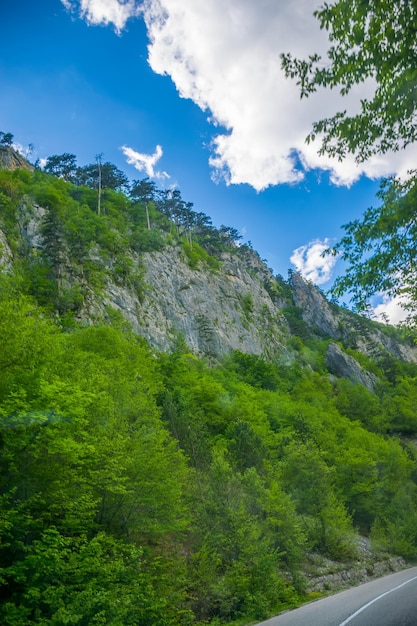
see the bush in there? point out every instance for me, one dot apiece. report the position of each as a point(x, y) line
point(147, 240)
point(196, 254)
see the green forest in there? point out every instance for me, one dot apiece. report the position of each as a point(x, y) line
point(145, 488)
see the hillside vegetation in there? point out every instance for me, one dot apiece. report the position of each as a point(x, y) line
point(146, 487)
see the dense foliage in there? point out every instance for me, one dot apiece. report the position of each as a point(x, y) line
point(381, 249)
point(143, 488)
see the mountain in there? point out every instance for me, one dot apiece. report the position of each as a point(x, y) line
point(224, 301)
point(185, 437)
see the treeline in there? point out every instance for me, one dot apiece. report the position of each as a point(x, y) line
point(142, 488)
point(82, 246)
point(105, 177)
point(168, 201)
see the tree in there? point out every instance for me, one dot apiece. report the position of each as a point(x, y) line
point(144, 191)
point(231, 235)
point(171, 204)
point(62, 165)
point(92, 505)
point(381, 249)
point(101, 176)
point(99, 181)
point(52, 230)
point(111, 176)
point(6, 139)
point(372, 39)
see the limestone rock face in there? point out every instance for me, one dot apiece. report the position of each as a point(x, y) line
point(6, 256)
point(30, 219)
point(11, 160)
point(345, 366)
point(215, 311)
point(330, 320)
point(316, 311)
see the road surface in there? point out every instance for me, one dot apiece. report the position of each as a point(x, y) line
point(387, 601)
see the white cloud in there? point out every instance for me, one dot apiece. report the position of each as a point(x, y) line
point(25, 151)
point(308, 260)
point(145, 162)
point(104, 12)
point(391, 310)
point(225, 56)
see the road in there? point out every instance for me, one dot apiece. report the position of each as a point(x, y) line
point(387, 601)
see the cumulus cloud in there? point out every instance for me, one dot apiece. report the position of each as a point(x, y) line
point(145, 162)
point(311, 263)
point(225, 56)
point(25, 151)
point(104, 12)
point(391, 310)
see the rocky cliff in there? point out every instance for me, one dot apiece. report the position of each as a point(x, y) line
point(11, 160)
point(354, 331)
point(216, 311)
point(234, 308)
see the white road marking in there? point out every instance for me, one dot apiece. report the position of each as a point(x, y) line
point(365, 606)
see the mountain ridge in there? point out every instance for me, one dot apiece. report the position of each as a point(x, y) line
point(233, 304)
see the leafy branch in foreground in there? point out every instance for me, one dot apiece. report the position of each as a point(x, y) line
point(370, 40)
point(382, 248)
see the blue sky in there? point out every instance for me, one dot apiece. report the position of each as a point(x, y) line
point(201, 80)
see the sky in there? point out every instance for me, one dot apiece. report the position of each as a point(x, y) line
point(191, 94)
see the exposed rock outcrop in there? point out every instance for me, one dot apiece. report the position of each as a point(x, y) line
point(334, 577)
point(30, 220)
point(345, 366)
point(316, 311)
point(215, 311)
point(10, 159)
point(330, 320)
point(324, 575)
point(6, 256)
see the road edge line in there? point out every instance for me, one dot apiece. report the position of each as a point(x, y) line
point(365, 606)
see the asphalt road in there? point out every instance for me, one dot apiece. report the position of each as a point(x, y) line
point(387, 601)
